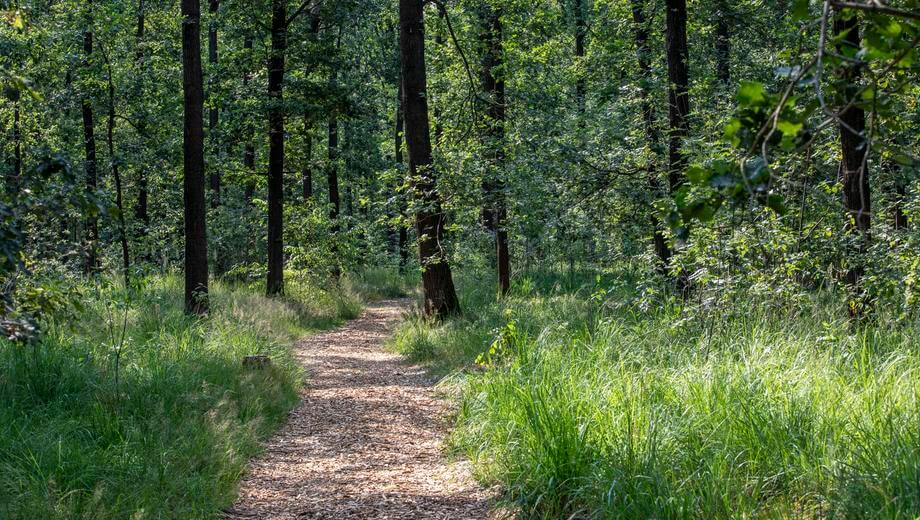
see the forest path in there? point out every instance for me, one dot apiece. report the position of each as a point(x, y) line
point(366, 440)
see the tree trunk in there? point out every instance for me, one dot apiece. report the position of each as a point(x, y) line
point(249, 152)
point(14, 181)
point(307, 173)
point(332, 178)
point(678, 102)
point(581, 34)
point(493, 84)
point(140, 209)
point(196, 240)
point(854, 174)
point(276, 150)
point(723, 42)
point(89, 144)
point(214, 112)
point(440, 295)
point(641, 32)
point(403, 238)
point(116, 175)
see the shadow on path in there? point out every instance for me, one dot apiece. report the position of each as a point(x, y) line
point(365, 442)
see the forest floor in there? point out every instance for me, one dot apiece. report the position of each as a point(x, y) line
point(365, 442)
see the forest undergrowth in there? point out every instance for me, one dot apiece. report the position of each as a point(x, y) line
point(125, 407)
point(583, 401)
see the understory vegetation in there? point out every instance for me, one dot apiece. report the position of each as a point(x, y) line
point(585, 402)
point(125, 407)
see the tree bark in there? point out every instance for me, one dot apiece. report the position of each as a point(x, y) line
point(196, 241)
point(249, 152)
point(493, 84)
point(643, 56)
point(854, 174)
point(14, 181)
point(307, 173)
point(678, 90)
point(403, 238)
point(275, 283)
point(140, 209)
point(89, 145)
point(440, 294)
point(581, 34)
point(214, 112)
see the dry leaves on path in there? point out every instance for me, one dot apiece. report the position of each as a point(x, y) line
point(366, 440)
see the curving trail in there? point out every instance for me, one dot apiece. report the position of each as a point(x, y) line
point(366, 440)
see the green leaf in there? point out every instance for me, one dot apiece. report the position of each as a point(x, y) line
point(698, 175)
point(751, 93)
point(776, 203)
point(799, 9)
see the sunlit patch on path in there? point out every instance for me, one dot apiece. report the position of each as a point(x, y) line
point(366, 442)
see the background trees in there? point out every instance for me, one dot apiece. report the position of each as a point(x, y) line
point(550, 117)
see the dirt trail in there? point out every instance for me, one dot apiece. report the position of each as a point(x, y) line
point(365, 442)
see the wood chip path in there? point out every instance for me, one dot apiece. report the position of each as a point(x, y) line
point(366, 440)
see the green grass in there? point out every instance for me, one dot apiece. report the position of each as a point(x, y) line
point(167, 434)
point(587, 407)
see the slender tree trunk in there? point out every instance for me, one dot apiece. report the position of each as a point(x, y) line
point(214, 112)
point(643, 55)
point(854, 174)
point(898, 217)
point(581, 34)
point(332, 178)
point(403, 239)
point(678, 102)
point(116, 175)
point(196, 240)
point(89, 144)
point(276, 150)
point(140, 209)
point(14, 181)
point(493, 83)
point(249, 152)
point(723, 42)
point(440, 295)
point(307, 173)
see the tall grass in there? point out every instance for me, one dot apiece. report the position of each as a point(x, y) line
point(583, 407)
point(130, 409)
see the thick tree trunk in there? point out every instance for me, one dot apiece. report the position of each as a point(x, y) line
point(89, 145)
point(641, 32)
point(440, 295)
point(854, 173)
point(196, 240)
point(332, 178)
point(214, 112)
point(276, 150)
point(723, 42)
point(493, 83)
